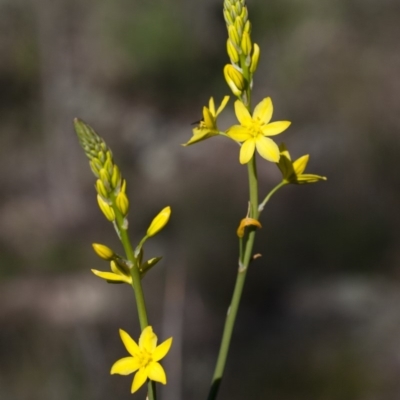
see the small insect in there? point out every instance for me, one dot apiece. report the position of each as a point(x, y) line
point(197, 122)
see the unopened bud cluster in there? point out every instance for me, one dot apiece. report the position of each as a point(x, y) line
point(110, 187)
point(244, 55)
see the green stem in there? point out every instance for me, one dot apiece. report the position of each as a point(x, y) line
point(151, 390)
point(269, 195)
point(244, 261)
point(136, 285)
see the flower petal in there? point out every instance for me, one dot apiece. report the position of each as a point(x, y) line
point(148, 339)
point(242, 114)
point(286, 166)
point(211, 106)
point(284, 151)
point(247, 151)
point(222, 106)
point(300, 164)
point(199, 135)
point(139, 379)
point(129, 343)
point(161, 350)
point(110, 276)
point(263, 111)
point(156, 372)
point(267, 148)
point(238, 133)
point(310, 178)
point(125, 366)
point(209, 119)
point(275, 128)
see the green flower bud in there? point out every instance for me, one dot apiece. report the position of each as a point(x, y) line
point(239, 26)
point(116, 177)
point(238, 8)
point(123, 186)
point(108, 166)
point(95, 168)
point(101, 189)
point(106, 179)
point(232, 52)
point(228, 18)
point(246, 44)
point(106, 209)
point(233, 35)
point(122, 203)
point(247, 27)
point(145, 267)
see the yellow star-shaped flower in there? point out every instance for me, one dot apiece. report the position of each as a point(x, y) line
point(144, 358)
point(253, 131)
point(292, 171)
point(208, 125)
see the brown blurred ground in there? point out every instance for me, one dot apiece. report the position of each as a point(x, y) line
point(320, 318)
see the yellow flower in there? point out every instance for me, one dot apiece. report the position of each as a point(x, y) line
point(254, 129)
point(292, 171)
point(208, 125)
point(120, 273)
point(144, 360)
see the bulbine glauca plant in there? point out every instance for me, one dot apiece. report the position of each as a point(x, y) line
point(113, 202)
point(253, 134)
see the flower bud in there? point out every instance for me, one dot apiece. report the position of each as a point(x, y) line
point(159, 222)
point(101, 156)
point(100, 188)
point(106, 209)
point(239, 26)
point(228, 18)
point(116, 177)
point(244, 14)
point(255, 58)
point(122, 203)
point(145, 267)
point(102, 251)
point(232, 52)
point(105, 177)
point(233, 35)
point(238, 8)
point(246, 44)
point(123, 186)
point(234, 79)
point(108, 166)
point(95, 166)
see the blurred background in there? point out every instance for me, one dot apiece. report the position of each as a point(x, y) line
point(320, 316)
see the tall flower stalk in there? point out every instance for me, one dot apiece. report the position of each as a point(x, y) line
point(254, 134)
point(114, 204)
